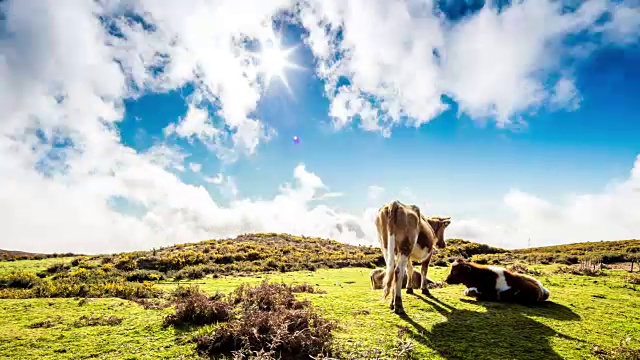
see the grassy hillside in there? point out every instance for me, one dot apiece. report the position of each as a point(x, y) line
point(187, 301)
point(607, 252)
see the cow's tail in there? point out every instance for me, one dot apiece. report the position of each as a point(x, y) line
point(389, 277)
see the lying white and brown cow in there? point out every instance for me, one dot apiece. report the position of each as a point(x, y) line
point(404, 232)
point(377, 276)
point(494, 283)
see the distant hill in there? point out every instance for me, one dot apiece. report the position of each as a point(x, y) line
point(247, 253)
point(285, 252)
point(12, 255)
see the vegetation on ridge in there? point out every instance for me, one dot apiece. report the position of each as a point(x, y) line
point(334, 311)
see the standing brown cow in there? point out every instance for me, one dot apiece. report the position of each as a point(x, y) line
point(405, 233)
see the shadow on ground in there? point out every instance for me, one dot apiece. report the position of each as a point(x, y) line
point(503, 331)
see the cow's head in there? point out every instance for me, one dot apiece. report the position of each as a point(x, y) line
point(460, 270)
point(439, 224)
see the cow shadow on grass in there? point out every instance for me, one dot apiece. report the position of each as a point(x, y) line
point(503, 331)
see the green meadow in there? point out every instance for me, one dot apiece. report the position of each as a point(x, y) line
point(585, 317)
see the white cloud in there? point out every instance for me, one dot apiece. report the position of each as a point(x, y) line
point(195, 167)
point(495, 65)
point(218, 179)
point(624, 28)
point(65, 77)
point(565, 94)
point(196, 124)
point(169, 157)
point(607, 215)
point(374, 192)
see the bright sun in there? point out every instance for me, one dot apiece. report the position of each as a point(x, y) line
point(274, 61)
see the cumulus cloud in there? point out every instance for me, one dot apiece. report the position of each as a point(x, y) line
point(67, 183)
point(397, 59)
point(607, 215)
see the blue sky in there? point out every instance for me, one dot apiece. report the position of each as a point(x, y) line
point(171, 133)
point(582, 150)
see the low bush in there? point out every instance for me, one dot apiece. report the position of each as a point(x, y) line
point(285, 333)
point(264, 319)
point(191, 273)
point(19, 280)
point(144, 275)
point(58, 268)
point(266, 297)
point(633, 279)
point(183, 292)
point(523, 269)
point(272, 323)
point(126, 263)
point(199, 309)
point(306, 288)
point(79, 283)
point(582, 268)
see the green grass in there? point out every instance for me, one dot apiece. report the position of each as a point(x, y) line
point(584, 312)
point(7, 267)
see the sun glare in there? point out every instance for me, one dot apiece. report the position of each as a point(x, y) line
point(274, 61)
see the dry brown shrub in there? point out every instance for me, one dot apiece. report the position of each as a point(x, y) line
point(271, 324)
point(199, 309)
point(306, 288)
point(523, 269)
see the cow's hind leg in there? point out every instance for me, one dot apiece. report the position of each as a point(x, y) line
point(400, 272)
point(424, 268)
point(409, 277)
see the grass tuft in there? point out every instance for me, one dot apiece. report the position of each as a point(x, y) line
point(91, 320)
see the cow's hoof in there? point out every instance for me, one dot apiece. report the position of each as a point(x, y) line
point(410, 291)
point(399, 310)
point(471, 292)
point(425, 292)
point(391, 306)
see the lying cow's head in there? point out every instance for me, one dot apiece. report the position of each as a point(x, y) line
point(439, 224)
point(459, 271)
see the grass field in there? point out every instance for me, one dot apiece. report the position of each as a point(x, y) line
point(584, 313)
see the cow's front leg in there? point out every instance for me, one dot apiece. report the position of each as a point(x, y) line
point(424, 268)
point(487, 295)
